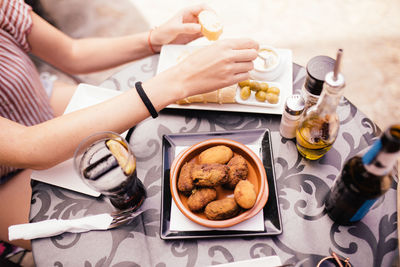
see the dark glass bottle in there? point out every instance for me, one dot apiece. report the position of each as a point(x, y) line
point(364, 179)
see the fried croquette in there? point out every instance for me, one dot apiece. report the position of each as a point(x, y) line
point(209, 175)
point(216, 154)
point(238, 170)
point(245, 194)
point(185, 181)
point(200, 198)
point(221, 209)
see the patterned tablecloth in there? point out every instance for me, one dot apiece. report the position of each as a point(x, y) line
point(307, 235)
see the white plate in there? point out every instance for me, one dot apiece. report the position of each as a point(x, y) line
point(252, 101)
point(171, 54)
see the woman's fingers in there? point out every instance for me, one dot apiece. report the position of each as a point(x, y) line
point(240, 50)
point(190, 28)
point(244, 55)
point(240, 67)
point(239, 72)
point(190, 14)
point(240, 43)
point(239, 77)
point(221, 64)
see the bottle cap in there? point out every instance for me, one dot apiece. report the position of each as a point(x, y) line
point(294, 105)
point(331, 82)
point(317, 68)
point(392, 138)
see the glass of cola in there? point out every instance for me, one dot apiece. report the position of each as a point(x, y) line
point(106, 163)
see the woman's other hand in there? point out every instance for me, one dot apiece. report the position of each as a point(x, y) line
point(184, 27)
point(219, 65)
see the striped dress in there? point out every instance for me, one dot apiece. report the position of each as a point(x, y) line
point(22, 96)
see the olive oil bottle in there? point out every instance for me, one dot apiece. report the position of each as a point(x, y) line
point(319, 125)
point(364, 179)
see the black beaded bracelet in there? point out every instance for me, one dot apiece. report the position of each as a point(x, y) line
point(146, 100)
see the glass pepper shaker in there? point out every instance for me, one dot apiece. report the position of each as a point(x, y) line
point(294, 107)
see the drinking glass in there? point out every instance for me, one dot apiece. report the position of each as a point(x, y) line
point(106, 163)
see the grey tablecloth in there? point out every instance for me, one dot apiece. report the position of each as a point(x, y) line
point(308, 233)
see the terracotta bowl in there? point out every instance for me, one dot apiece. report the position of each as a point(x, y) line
point(256, 176)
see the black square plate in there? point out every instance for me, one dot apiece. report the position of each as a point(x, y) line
point(258, 137)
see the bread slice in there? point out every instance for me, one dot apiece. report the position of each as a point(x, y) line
point(211, 97)
point(191, 99)
point(211, 26)
point(225, 95)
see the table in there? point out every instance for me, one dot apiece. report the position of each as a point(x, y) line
point(308, 233)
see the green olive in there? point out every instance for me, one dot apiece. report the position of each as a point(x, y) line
point(261, 96)
point(272, 98)
point(264, 87)
point(254, 86)
point(245, 93)
point(244, 83)
point(274, 90)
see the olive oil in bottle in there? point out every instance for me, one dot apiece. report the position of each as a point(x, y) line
point(364, 179)
point(319, 125)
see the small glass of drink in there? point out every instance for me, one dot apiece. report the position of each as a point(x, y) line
point(106, 163)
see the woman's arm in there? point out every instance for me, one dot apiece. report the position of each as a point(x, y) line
point(49, 143)
point(83, 55)
point(94, 54)
point(46, 144)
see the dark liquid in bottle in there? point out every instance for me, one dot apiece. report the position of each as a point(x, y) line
point(354, 193)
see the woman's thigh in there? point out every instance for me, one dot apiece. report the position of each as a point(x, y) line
point(15, 199)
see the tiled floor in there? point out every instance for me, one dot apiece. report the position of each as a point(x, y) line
point(368, 31)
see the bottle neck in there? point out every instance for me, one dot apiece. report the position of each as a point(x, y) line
point(381, 157)
point(309, 98)
point(330, 98)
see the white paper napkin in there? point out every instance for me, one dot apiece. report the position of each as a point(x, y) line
point(270, 261)
point(54, 227)
point(179, 222)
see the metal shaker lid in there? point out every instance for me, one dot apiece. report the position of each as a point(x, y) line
point(317, 68)
point(294, 105)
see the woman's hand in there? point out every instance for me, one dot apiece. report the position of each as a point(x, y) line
point(221, 64)
point(216, 66)
point(184, 27)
